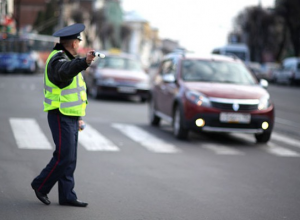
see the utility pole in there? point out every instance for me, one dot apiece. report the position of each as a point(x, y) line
point(18, 17)
point(61, 14)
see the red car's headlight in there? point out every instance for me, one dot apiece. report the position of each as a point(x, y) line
point(264, 102)
point(198, 98)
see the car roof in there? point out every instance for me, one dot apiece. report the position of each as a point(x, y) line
point(291, 59)
point(241, 47)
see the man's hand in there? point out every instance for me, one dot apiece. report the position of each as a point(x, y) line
point(81, 125)
point(90, 57)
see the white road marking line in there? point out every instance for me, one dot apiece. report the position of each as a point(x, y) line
point(144, 138)
point(285, 139)
point(246, 137)
point(275, 137)
point(273, 148)
point(286, 122)
point(92, 140)
point(221, 149)
point(279, 151)
point(28, 134)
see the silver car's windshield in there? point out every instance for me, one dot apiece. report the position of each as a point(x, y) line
point(120, 63)
point(216, 71)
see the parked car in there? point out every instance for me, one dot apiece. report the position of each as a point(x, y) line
point(282, 76)
point(212, 94)
point(239, 50)
point(268, 69)
point(28, 62)
point(118, 74)
point(289, 73)
point(9, 62)
point(255, 69)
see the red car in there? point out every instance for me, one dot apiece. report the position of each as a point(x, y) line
point(213, 94)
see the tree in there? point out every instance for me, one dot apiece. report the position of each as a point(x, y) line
point(108, 21)
point(289, 10)
point(47, 20)
point(107, 31)
point(261, 30)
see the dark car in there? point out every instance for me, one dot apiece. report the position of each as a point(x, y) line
point(289, 73)
point(9, 62)
point(28, 62)
point(212, 94)
point(118, 74)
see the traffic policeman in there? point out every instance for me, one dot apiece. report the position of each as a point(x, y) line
point(65, 101)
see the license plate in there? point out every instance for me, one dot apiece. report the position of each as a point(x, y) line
point(126, 89)
point(235, 118)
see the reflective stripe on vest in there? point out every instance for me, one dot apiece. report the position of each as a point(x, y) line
point(65, 92)
point(69, 107)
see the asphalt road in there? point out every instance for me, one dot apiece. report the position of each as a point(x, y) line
point(128, 170)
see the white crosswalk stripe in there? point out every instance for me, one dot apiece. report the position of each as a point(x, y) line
point(279, 151)
point(146, 139)
point(284, 139)
point(222, 150)
point(246, 137)
point(275, 137)
point(92, 140)
point(28, 134)
point(273, 148)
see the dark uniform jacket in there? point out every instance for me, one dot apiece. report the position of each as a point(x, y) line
point(61, 70)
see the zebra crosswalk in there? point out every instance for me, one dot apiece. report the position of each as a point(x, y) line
point(26, 128)
point(222, 150)
point(92, 140)
point(152, 144)
point(280, 151)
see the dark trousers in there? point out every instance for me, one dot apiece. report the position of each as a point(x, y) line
point(63, 163)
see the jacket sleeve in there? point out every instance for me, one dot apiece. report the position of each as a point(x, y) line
point(63, 69)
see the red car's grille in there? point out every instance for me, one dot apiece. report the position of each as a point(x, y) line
point(229, 106)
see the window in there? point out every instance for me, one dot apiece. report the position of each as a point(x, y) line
point(240, 54)
point(120, 63)
point(216, 71)
point(167, 67)
point(216, 51)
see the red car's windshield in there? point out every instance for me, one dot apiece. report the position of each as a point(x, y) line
point(216, 71)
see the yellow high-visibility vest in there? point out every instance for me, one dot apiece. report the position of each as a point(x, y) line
point(70, 100)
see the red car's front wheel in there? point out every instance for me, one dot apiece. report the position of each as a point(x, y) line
point(178, 129)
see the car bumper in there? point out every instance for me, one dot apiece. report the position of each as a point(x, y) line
point(123, 91)
point(213, 124)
